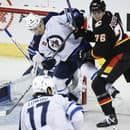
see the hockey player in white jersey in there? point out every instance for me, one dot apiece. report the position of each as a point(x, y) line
point(48, 111)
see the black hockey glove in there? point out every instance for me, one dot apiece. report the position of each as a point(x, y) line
point(79, 33)
point(85, 56)
point(49, 64)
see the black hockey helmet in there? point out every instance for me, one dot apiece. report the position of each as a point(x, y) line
point(97, 5)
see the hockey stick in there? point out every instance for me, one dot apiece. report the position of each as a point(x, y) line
point(17, 45)
point(8, 111)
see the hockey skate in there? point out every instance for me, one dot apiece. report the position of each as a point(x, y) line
point(109, 123)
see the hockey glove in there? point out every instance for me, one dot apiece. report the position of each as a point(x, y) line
point(49, 64)
point(79, 33)
point(85, 55)
point(38, 59)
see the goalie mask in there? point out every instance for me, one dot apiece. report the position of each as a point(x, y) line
point(43, 84)
point(32, 21)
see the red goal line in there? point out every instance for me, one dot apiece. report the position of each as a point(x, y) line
point(26, 10)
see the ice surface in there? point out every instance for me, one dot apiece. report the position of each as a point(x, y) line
point(12, 68)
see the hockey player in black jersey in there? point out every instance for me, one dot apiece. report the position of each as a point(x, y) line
point(114, 46)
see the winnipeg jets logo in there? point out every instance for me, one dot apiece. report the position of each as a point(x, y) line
point(55, 43)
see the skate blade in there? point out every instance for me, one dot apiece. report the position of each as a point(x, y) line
point(109, 128)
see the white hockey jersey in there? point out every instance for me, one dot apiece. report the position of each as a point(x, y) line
point(51, 113)
point(55, 33)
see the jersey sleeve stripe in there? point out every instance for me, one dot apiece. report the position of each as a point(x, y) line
point(74, 111)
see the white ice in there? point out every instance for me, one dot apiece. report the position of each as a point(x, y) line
point(12, 68)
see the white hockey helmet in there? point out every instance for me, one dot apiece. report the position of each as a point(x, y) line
point(32, 21)
point(43, 84)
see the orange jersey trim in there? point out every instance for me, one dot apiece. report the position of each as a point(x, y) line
point(113, 62)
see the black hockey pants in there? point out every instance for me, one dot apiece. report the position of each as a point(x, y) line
point(110, 71)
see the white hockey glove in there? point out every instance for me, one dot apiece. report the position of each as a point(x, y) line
point(38, 59)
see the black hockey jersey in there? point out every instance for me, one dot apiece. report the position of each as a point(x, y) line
point(107, 33)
